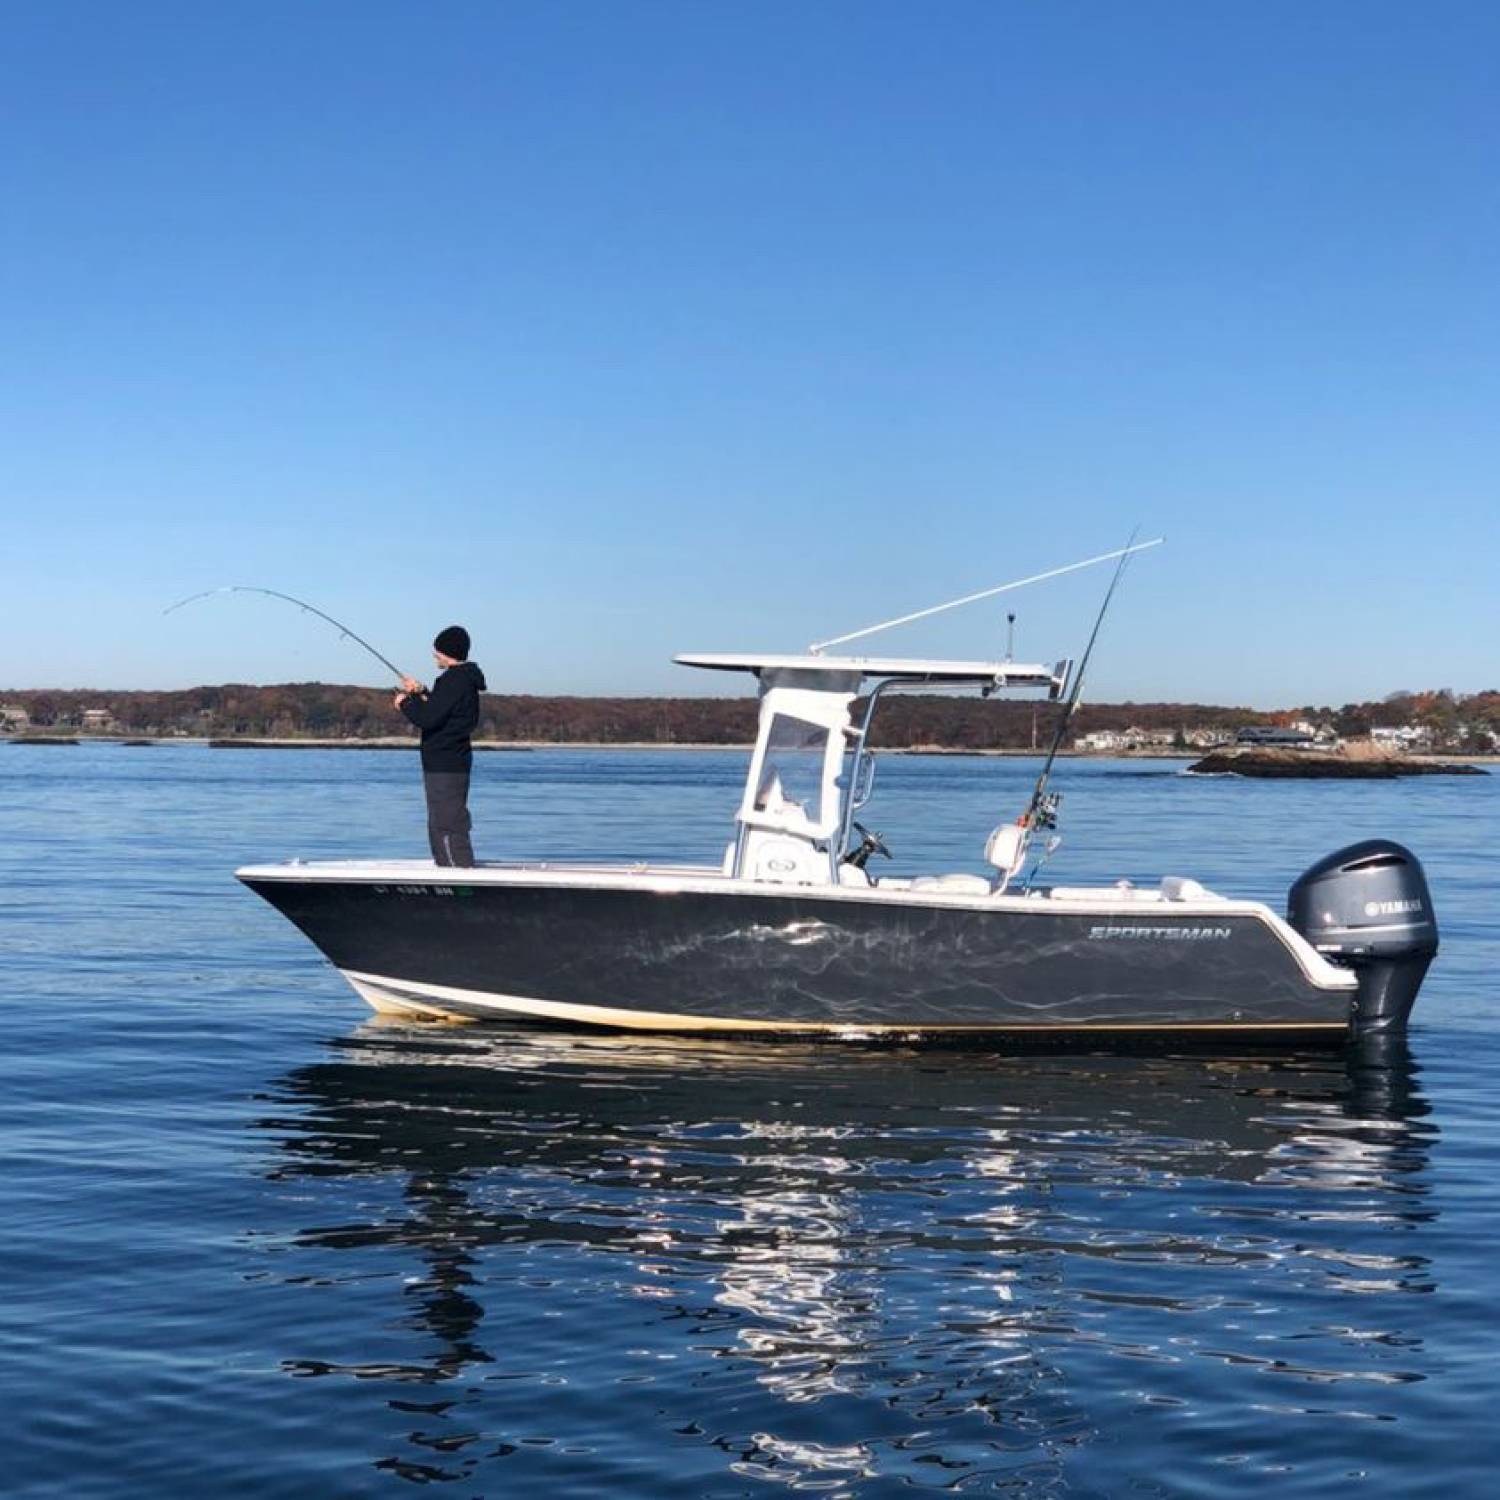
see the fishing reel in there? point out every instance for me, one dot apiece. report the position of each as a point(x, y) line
point(869, 843)
point(1044, 815)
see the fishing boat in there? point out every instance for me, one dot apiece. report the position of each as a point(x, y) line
point(796, 931)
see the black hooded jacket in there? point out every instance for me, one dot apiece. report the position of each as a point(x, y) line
point(447, 716)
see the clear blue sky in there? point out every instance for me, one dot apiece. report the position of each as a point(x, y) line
point(613, 329)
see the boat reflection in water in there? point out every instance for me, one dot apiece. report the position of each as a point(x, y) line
point(815, 1264)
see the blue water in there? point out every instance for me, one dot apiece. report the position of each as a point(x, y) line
point(254, 1242)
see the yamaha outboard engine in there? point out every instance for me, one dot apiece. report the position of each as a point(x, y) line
point(1368, 908)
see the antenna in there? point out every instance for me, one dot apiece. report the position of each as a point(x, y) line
point(819, 647)
point(1010, 636)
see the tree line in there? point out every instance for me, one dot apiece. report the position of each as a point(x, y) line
point(317, 710)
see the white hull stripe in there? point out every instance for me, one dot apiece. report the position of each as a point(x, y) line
point(411, 998)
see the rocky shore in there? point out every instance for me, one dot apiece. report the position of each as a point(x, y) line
point(1321, 764)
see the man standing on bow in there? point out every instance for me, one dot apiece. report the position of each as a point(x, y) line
point(447, 717)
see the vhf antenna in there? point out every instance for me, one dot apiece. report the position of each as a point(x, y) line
point(819, 647)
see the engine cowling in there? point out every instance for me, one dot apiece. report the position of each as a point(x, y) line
point(1368, 908)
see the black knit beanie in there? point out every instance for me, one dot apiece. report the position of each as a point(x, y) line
point(454, 642)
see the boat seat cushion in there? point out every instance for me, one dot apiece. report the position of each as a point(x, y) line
point(1111, 893)
point(953, 885)
point(1172, 888)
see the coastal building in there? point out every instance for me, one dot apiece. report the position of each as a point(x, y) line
point(13, 718)
point(96, 720)
point(1402, 736)
point(1106, 741)
point(1270, 736)
point(1209, 738)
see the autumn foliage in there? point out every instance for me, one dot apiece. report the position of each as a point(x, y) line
point(315, 710)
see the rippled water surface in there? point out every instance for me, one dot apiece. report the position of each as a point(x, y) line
point(255, 1242)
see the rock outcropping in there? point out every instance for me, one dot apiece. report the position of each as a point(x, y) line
point(1316, 764)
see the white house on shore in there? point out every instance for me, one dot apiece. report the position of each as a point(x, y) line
point(1209, 738)
point(13, 719)
point(1103, 741)
point(1100, 742)
point(1402, 737)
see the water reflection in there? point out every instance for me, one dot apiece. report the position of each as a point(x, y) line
point(821, 1265)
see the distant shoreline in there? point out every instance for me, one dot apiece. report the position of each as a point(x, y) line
point(525, 746)
point(321, 715)
point(522, 746)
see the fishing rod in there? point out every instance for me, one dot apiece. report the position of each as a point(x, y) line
point(1041, 811)
point(312, 609)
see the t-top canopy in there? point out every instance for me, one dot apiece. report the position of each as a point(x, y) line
point(920, 669)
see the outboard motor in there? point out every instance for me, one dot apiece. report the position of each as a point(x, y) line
point(1368, 908)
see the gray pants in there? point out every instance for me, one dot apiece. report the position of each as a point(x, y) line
point(448, 820)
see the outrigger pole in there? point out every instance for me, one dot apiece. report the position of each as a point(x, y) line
point(1003, 588)
point(343, 630)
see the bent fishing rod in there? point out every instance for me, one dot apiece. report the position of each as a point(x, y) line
point(312, 609)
